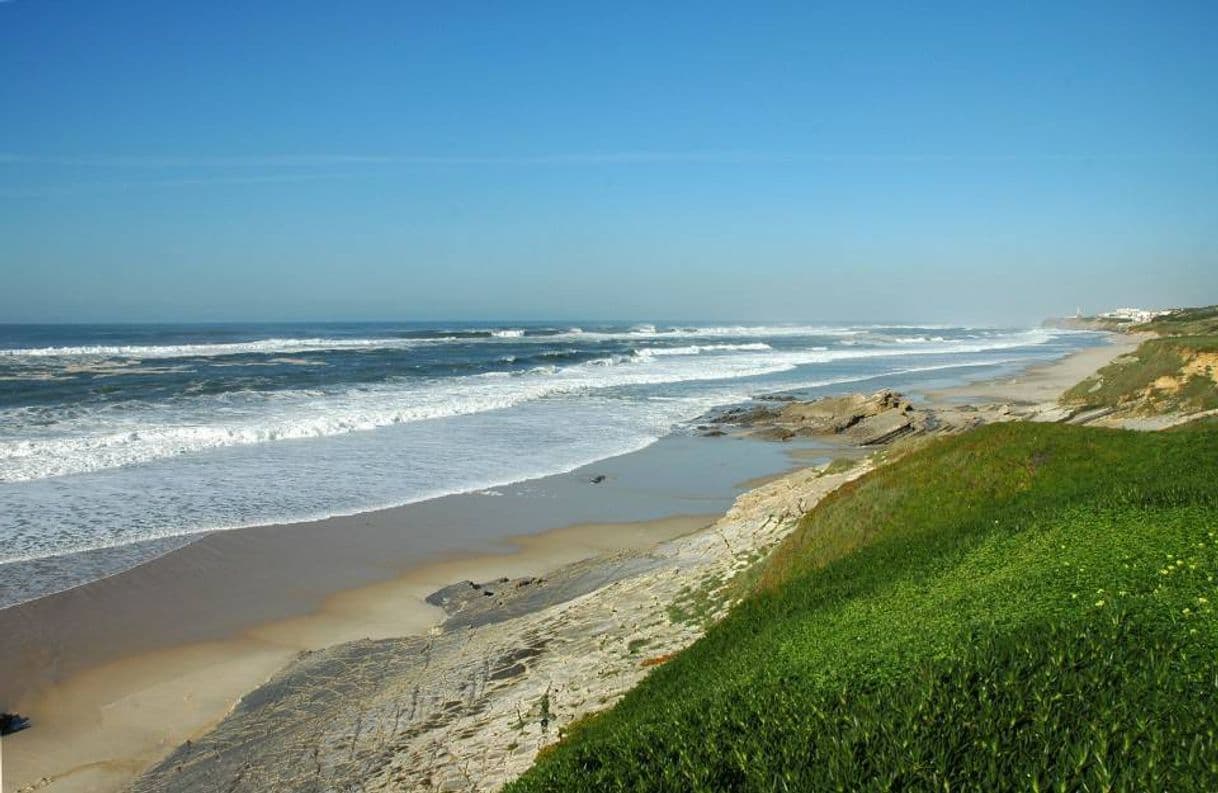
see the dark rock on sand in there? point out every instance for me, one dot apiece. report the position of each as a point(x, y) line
point(776, 433)
point(472, 604)
point(12, 722)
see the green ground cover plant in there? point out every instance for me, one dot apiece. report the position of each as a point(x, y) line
point(1184, 322)
point(1025, 606)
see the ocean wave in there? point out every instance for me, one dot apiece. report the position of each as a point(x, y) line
point(649, 330)
point(498, 467)
point(131, 434)
point(279, 346)
point(35, 446)
point(273, 346)
point(647, 354)
point(158, 515)
point(697, 349)
point(423, 338)
point(918, 339)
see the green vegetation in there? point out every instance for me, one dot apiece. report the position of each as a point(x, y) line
point(1185, 322)
point(839, 465)
point(1025, 606)
point(1169, 374)
point(698, 605)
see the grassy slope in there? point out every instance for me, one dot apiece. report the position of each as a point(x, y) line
point(1130, 381)
point(1156, 378)
point(1024, 606)
point(1185, 322)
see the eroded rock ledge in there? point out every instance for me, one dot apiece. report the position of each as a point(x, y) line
point(860, 419)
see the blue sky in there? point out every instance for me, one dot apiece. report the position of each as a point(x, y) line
point(394, 160)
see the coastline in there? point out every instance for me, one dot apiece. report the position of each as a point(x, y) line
point(179, 690)
point(1042, 383)
point(117, 672)
point(104, 724)
point(468, 705)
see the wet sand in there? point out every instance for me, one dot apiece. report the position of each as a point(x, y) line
point(100, 726)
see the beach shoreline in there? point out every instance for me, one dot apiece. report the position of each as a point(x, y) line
point(117, 672)
point(177, 691)
point(1043, 382)
point(182, 684)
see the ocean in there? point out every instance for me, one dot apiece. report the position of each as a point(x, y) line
point(119, 442)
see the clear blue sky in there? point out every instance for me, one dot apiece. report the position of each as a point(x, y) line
point(395, 160)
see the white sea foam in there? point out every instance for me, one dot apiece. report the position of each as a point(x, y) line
point(36, 446)
point(321, 344)
point(323, 486)
point(261, 346)
point(697, 349)
point(648, 330)
point(118, 436)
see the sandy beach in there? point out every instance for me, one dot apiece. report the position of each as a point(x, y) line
point(105, 723)
point(1042, 383)
point(117, 673)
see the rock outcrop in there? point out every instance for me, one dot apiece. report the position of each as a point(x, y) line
point(863, 419)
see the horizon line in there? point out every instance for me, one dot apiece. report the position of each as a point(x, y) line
point(626, 157)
